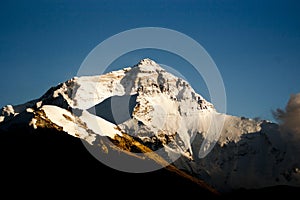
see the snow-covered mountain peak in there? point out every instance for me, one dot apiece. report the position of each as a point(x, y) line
point(147, 62)
point(163, 112)
point(148, 65)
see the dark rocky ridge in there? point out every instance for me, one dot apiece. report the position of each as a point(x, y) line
point(43, 163)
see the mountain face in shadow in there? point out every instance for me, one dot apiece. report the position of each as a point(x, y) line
point(115, 109)
point(47, 163)
point(44, 162)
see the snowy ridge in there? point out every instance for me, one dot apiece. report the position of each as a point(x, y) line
point(162, 110)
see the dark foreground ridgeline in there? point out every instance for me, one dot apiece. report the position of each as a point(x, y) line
point(48, 163)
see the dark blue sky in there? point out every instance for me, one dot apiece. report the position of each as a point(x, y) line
point(255, 44)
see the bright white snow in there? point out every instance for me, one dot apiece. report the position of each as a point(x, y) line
point(67, 121)
point(99, 125)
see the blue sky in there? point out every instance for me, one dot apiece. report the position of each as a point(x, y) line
point(255, 44)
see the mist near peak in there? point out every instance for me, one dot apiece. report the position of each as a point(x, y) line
point(289, 121)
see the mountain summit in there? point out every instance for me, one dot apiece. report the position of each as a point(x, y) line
point(144, 109)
